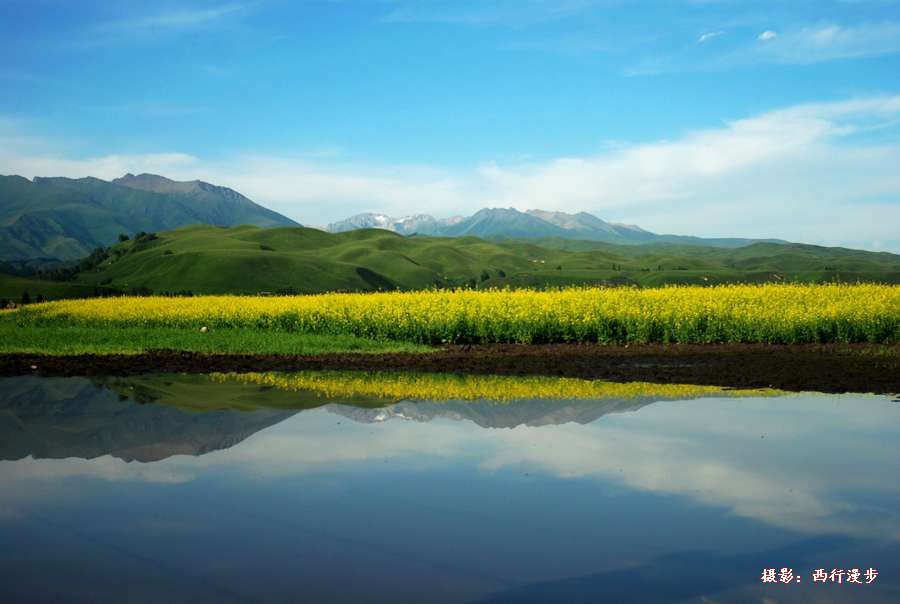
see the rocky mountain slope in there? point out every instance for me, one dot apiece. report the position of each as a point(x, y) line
point(65, 219)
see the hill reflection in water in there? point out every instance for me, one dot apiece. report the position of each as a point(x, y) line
point(150, 418)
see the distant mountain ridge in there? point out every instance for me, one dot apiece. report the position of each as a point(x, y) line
point(49, 220)
point(416, 224)
point(57, 218)
point(509, 223)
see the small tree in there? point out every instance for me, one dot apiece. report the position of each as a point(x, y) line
point(485, 275)
point(40, 298)
point(501, 273)
point(143, 237)
point(26, 298)
point(123, 237)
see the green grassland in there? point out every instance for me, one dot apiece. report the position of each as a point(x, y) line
point(12, 287)
point(251, 260)
point(64, 340)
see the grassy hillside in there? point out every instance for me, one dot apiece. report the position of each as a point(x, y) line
point(250, 260)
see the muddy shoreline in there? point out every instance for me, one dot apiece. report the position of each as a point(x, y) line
point(822, 368)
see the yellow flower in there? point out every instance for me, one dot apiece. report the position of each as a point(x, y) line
point(726, 313)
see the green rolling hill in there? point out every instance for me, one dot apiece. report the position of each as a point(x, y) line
point(250, 260)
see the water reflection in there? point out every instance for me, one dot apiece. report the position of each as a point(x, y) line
point(74, 417)
point(194, 414)
point(340, 488)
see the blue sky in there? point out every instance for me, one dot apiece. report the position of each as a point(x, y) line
point(708, 117)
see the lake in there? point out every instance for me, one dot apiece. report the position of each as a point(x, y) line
point(330, 487)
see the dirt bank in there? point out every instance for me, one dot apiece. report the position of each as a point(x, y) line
point(822, 368)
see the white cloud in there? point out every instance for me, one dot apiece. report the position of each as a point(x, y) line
point(318, 192)
point(818, 173)
point(795, 173)
point(105, 166)
point(798, 46)
point(826, 43)
point(706, 37)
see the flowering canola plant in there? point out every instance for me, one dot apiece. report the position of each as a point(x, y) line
point(774, 313)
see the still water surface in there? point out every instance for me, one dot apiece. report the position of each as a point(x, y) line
point(338, 489)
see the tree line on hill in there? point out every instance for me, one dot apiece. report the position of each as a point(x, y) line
point(99, 292)
point(93, 260)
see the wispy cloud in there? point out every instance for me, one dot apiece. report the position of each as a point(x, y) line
point(173, 19)
point(819, 173)
point(800, 46)
point(826, 42)
point(156, 25)
point(706, 37)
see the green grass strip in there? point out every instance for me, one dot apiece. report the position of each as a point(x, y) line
point(111, 340)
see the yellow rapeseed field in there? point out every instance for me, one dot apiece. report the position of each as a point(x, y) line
point(733, 313)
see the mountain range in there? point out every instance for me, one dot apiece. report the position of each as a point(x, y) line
point(65, 218)
point(509, 223)
point(212, 239)
point(55, 219)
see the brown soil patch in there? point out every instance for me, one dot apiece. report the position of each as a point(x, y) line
point(822, 368)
